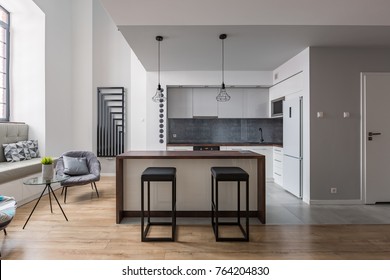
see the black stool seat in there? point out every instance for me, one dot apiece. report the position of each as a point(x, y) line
point(229, 173)
point(157, 174)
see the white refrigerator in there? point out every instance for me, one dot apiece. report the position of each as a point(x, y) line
point(292, 146)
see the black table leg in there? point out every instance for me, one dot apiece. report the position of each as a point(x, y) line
point(35, 205)
point(51, 207)
point(50, 189)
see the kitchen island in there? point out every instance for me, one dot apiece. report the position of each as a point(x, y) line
point(193, 182)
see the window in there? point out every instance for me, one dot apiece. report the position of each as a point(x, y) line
point(4, 64)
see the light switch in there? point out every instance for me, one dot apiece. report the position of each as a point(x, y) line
point(320, 114)
point(346, 115)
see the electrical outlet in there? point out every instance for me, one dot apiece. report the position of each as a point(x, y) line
point(174, 135)
point(333, 190)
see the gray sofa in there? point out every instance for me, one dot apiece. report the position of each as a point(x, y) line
point(10, 171)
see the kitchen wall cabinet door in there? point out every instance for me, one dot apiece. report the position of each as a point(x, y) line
point(179, 103)
point(256, 103)
point(204, 103)
point(234, 107)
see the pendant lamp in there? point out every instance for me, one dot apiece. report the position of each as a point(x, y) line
point(223, 96)
point(159, 96)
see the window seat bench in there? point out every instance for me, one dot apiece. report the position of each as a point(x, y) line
point(12, 174)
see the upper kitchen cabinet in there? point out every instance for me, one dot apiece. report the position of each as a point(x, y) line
point(255, 103)
point(204, 103)
point(234, 107)
point(179, 103)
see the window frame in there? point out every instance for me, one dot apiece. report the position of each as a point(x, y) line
point(6, 26)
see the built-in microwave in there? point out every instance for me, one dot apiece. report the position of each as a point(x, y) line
point(277, 107)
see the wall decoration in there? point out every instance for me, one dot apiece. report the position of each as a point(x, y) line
point(110, 121)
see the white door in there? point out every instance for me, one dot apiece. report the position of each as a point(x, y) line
point(376, 137)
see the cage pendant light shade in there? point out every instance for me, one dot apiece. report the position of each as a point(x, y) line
point(159, 96)
point(223, 96)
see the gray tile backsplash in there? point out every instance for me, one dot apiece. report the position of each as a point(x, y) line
point(224, 130)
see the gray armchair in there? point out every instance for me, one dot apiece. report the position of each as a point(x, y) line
point(90, 177)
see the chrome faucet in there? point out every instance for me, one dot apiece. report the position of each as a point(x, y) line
point(261, 135)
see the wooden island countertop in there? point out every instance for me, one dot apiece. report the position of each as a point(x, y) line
point(132, 156)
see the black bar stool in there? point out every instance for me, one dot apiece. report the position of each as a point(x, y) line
point(226, 174)
point(157, 174)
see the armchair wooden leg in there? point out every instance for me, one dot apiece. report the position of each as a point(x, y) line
point(66, 190)
point(95, 189)
point(5, 232)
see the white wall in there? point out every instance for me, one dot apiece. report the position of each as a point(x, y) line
point(298, 64)
point(195, 78)
point(82, 71)
point(111, 68)
point(136, 109)
point(58, 75)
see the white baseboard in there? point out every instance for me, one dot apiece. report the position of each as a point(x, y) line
point(108, 174)
point(337, 202)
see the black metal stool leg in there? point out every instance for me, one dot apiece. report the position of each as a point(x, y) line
point(142, 210)
point(238, 203)
point(216, 210)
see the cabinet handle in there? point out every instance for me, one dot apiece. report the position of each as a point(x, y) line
point(278, 174)
point(278, 160)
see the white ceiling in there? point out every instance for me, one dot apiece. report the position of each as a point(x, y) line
point(261, 34)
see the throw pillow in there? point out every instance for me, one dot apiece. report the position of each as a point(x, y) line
point(75, 166)
point(14, 152)
point(26, 151)
point(32, 146)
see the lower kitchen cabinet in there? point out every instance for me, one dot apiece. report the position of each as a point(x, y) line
point(266, 151)
point(278, 165)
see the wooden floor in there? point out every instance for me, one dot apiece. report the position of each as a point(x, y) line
point(91, 234)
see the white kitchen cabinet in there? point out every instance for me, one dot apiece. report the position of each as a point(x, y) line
point(268, 153)
point(234, 107)
point(278, 165)
point(180, 148)
point(179, 103)
point(204, 103)
point(256, 103)
point(263, 150)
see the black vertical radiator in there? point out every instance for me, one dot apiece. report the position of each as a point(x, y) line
point(110, 121)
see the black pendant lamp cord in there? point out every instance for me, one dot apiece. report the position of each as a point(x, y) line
point(159, 86)
point(223, 65)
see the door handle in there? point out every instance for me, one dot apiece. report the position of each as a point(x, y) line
point(374, 133)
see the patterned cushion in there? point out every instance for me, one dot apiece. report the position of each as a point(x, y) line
point(32, 146)
point(14, 152)
point(7, 210)
point(27, 154)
